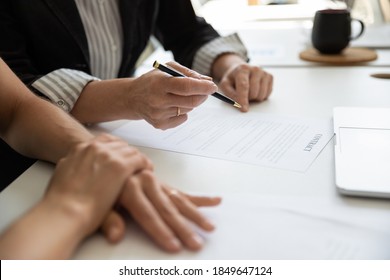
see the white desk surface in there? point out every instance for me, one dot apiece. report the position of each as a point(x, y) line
point(266, 213)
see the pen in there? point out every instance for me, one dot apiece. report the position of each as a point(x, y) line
point(174, 73)
point(381, 75)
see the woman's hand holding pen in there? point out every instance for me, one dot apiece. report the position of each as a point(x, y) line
point(163, 100)
point(157, 97)
point(241, 81)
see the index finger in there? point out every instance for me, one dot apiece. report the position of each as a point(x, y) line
point(187, 71)
point(187, 86)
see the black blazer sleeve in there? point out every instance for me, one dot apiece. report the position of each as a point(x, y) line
point(181, 31)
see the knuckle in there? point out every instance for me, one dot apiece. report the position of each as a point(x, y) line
point(163, 125)
point(78, 148)
point(166, 210)
point(118, 166)
point(156, 116)
point(107, 136)
point(145, 161)
point(94, 147)
point(224, 83)
point(257, 71)
point(187, 85)
point(243, 68)
point(148, 177)
point(136, 152)
point(158, 125)
point(243, 83)
point(149, 163)
point(193, 101)
point(193, 74)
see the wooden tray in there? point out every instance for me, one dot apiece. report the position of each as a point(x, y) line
point(347, 56)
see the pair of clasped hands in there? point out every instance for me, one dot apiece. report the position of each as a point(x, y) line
point(106, 175)
point(99, 179)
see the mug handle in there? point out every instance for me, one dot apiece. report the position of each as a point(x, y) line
point(361, 29)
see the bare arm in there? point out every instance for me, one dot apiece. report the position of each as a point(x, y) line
point(84, 187)
point(24, 116)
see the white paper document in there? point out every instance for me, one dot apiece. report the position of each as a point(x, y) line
point(253, 138)
point(253, 226)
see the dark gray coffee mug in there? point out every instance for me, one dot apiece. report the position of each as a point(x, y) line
point(331, 31)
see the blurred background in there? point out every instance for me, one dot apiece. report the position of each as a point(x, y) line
point(370, 11)
point(275, 31)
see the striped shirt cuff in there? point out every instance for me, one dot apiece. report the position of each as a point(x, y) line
point(206, 55)
point(63, 86)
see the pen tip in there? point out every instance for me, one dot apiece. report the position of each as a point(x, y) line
point(237, 105)
point(156, 64)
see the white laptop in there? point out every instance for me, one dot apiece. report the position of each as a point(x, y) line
point(362, 151)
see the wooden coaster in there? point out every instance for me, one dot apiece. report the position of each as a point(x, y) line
point(347, 56)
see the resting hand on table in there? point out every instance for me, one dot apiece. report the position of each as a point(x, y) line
point(84, 187)
point(241, 81)
point(166, 214)
point(91, 177)
point(107, 171)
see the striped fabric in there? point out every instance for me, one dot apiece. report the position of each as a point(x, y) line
point(101, 20)
point(209, 52)
point(63, 86)
point(102, 24)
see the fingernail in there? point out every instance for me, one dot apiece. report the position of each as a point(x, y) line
point(114, 234)
point(195, 241)
point(174, 244)
point(207, 225)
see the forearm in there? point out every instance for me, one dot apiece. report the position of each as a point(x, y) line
point(44, 233)
point(87, 98)
point(50, 131)
point(102, 101)
point(33, 126)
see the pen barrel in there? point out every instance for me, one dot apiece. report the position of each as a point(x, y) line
point(223, 98)
point(175, 73)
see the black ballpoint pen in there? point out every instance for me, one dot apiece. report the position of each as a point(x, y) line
point(174, 73)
